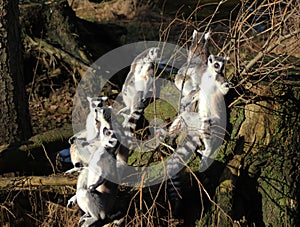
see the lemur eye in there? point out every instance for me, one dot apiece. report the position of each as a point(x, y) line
point(216, 65)
point(106, 132)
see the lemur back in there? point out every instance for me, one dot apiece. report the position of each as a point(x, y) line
point(189, 75)
point(138, 84)
point(139, 80)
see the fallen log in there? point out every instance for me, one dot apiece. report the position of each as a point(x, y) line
point(37, 156)
point(37, 182)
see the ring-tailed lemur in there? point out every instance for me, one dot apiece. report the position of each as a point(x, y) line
point(202, 127)
point(187, 81)
point(102, 164)
point(210, 98)
point(214, 72)
point(139, 80)
point(104, 117)
point(90, 120)
point(102, 167)
point(189, 75)
point(138, 84)
point(94, 194)
point(89, 202)
point(81, 148)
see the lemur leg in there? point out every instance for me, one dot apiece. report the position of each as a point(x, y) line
point(88, 221)
point(207, 140)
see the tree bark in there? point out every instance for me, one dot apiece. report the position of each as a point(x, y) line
point(260, 184)
point(14, 118)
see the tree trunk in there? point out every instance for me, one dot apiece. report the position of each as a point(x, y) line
point(14, 118)
point(260, 184)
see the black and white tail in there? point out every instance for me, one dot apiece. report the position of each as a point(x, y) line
point(134, 120)
point(174, 165)
point(174, 193)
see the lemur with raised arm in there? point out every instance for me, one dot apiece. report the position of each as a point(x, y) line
point(211, 111)
point(202, 127)
point(139, 81)
point(189, 75)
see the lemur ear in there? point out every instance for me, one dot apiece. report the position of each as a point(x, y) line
point(89, 99)
point(194, 33)
point(227, 58)
point(104, 98)
point(210, 58)
point(207, 35)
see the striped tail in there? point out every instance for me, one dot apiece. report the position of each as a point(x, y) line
point(174, 165)
point(174, 193)
point(134, 120)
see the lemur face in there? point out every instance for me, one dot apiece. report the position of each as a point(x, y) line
point(216, 63)
point(153, 53)
point(109, 138)
point(96, 102)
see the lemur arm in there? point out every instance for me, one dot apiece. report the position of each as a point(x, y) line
point(93, 187)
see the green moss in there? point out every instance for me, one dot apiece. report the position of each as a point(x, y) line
point(161, 110)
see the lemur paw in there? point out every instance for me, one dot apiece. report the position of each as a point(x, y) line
point(92, 188)
point(71, 203)
point(225, 88)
